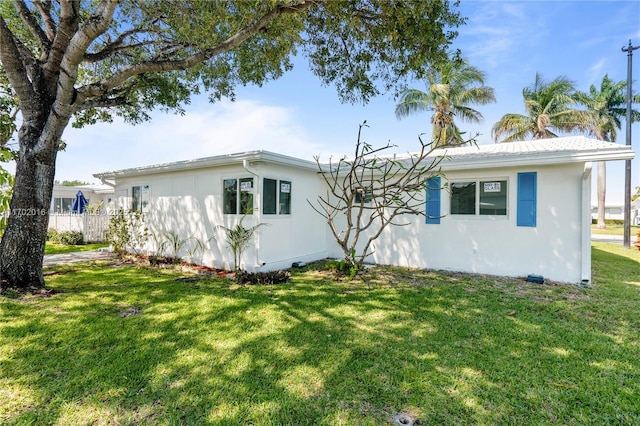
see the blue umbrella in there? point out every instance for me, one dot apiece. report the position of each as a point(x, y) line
point(79, 203)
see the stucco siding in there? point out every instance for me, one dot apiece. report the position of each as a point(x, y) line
point(495, 244)
point(189, 204)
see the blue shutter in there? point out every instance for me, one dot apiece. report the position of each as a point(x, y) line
point(527, 189)
point(433, 200)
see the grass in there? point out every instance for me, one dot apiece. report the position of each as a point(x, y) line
point(53, 248)
point(613, 229)
point(117, 344)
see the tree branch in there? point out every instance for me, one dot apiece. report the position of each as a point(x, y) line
point(117, 78)
point(118, 45)
point(32, 24)
point(44, 8)
point(73, 54)
point(15, 69)
point(103, 102)
point(69, 18)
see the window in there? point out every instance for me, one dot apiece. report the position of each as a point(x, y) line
point(234, 204)
point(486, 198)
point(463, 198)
point(493, 198)
point(269, 200)
point(276, 196)
point(62, 204)
point(140, 198)
point(364, 195)
point(285, 197)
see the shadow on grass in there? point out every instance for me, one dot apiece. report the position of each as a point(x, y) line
point(131, 346)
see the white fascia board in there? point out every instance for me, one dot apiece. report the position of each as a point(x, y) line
point(219, 160)
point(535, 159)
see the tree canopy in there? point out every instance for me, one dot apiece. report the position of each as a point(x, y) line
point(82, 62)
point(549, 110)
point(452, 87)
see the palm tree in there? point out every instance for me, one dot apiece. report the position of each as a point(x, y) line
point(452, 87)
point(548, 111)
point(607, 107)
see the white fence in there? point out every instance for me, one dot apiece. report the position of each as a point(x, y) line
point(93, 226)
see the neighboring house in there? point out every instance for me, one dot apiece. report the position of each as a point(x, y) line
point(99, 197)
point(100, 204)
point(635, 212)
point(611, 211)
point(510, 209)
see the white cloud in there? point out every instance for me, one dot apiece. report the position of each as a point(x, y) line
point(215, 129)
point(597, 71)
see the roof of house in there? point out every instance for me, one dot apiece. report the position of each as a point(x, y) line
point(218, 160)
point(572, 149)
point(97, 188)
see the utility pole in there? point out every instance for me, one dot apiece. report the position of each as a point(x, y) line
point(627, 169)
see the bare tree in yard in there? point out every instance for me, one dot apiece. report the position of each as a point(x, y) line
point(372, 191)
point(80, 62)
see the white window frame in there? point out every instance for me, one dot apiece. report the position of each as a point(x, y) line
point(142, 204)
point(238, 187)
point(279, 192)
point(479, 184)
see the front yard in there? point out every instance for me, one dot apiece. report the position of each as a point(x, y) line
point(116, 344)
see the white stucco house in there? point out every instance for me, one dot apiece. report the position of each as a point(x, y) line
point(635, 212)
point(98, 195)
point(508, 209)
point(611, 211)
point(100, 200)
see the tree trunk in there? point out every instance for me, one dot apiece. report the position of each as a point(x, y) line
point(22, 246)
point(602, 192)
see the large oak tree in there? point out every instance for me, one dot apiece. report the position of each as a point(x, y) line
point(71, 61)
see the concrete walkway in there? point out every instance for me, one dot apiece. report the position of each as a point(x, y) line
point(80, 256)
point(603, 238)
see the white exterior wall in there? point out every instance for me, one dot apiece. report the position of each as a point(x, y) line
point(495, 245)
point(190, 203)
point(635, 212)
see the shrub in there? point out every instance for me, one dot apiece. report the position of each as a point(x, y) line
point(343, 267)
point(609, 221)
point(127, 231)
point(272, 277)
point(67, 238)
point(164, 260)
point(71, 238)
point(53, 235)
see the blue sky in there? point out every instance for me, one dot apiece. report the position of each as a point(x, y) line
point(295, 115)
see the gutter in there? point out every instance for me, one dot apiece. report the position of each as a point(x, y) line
point(256, 236)
point(585, 263)
point(105, 182)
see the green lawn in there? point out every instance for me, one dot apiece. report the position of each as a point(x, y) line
point(613, 229)
point(117, 344)
point(53, 248)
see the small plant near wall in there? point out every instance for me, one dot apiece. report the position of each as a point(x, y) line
point(175, 243)
point(238, 238)
point(194, 246)
point(127, 232)
point(160, 243)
